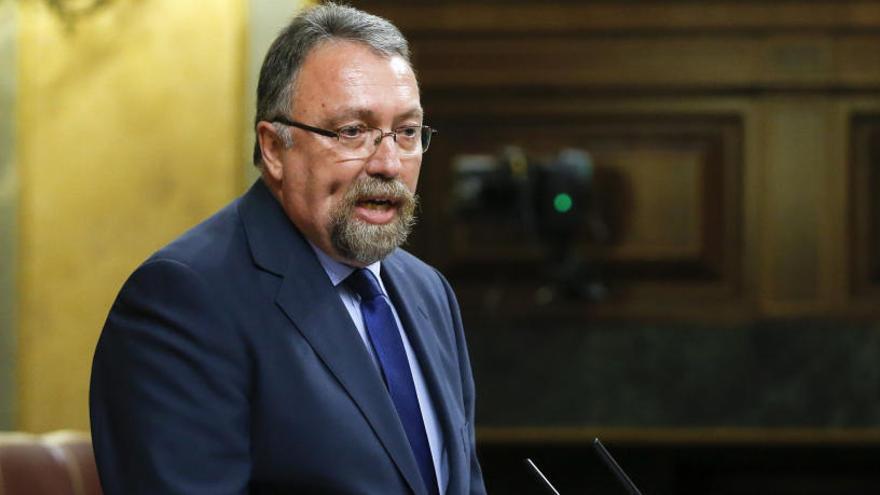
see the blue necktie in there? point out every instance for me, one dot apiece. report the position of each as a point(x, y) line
point(385, 337)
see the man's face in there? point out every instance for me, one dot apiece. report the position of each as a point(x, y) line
point(355, 209)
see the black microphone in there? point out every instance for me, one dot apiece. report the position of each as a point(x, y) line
point(543, 479)
point(615, 468)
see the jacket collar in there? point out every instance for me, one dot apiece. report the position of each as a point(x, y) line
point(312, 304)
point(270, 234)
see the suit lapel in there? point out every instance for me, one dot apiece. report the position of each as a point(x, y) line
point(310, 301)
point(423, 336)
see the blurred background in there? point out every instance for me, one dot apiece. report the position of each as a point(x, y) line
point(661, 217)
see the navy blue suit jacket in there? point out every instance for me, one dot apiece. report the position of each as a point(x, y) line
point(228, 364)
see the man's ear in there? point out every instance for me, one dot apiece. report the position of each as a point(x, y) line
point(272, 147)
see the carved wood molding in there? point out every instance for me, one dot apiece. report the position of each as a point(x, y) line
point(632, 16)
point(673, 62)
point(644, 45)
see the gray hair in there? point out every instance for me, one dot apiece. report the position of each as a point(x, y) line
point(305, 32)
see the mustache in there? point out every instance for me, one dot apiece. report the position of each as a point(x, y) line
point(364, 242)
point(373, 187)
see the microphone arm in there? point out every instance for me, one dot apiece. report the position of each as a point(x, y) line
point(543, 479)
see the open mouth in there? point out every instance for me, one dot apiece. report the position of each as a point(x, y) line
point(376, 210)
point(376, 203)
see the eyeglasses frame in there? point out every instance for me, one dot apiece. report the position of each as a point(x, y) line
point(335, 134)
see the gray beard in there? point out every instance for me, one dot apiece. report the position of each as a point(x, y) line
point(368, 243)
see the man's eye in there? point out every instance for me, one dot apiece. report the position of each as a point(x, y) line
point(351, 131)
point(409, 131)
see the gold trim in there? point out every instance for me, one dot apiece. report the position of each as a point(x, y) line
point(9, 232)
point(243, 89)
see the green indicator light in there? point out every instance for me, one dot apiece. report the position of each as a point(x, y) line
point(562, 202)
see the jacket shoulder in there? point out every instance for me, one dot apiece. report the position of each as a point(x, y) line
point(211, 244)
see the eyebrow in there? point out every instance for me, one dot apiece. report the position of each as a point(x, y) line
point(367, 115)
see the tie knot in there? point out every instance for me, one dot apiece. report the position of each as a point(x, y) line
point(364, 283)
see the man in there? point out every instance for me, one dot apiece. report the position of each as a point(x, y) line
point(286, 344)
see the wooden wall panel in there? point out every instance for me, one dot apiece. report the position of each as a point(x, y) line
point(865, 206)
point(665, 193)
point(858, 60)
point(668, 187)
point(795, 158)
point(755, 220)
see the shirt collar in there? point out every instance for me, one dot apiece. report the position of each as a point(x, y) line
point(340, 271)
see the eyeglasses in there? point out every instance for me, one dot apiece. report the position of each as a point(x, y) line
point(361, 141)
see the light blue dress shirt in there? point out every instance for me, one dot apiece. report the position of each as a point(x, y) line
point(338, 272)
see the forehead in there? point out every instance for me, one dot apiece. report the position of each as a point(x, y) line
point(341, 76)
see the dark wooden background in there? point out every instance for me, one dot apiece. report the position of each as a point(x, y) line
point(737, 148)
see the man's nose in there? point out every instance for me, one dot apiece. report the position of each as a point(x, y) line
point(385, 161)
